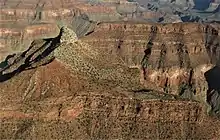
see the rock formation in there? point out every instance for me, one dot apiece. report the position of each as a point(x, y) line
point(173, 58)
point(97, 70)
point(184, 10)
point(74, 94)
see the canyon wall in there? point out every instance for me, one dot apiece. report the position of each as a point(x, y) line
point(51, 101)
point(73, 69)
point(172, 57)
point(73, 88)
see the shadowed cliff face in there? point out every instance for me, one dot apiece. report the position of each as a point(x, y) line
point(39, 53)
point(212, 76)
point(213, 93)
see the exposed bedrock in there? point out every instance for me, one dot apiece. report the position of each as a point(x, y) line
point(82, 25)
point(16, 37)
point(85, 94)
point(52, 99)
point(173, 57)
point(21, 22)
point(85, 82)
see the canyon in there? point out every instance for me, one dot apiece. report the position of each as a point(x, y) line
point(81, 70)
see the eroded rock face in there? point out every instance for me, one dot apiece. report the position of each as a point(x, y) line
point(52, 98)
point(88, 61)
point(21, 22)
point(121, 81)
point(66, 94)
point(174, 57)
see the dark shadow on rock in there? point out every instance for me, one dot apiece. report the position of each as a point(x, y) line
point(5, 62)
point(189, 18)
point(142, 90)
point(213, 94)
point(148, 50)
point(82, 25)
point(31, 58)
point(25, 66)
point(212, 43)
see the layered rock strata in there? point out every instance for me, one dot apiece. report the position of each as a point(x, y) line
point(24, 21)
point(64, 100)
point(173, 57)
point(60, 87)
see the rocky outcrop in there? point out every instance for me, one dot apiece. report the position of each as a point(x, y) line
point(173, 58)
point(22, 22)
point(84, 115)
point(88, 94)
point(48, 108)
point(16, 38)
point(40, 18)
point(82, 25)
point(38, 53)
point(52, 99)
point(85, 79)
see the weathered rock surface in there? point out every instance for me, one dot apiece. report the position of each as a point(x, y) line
point(22, 21)
point(52, 99)
point(78, 96)
point(106, 80)
point(174, 57)
point(185, 10)
point(15, 38)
